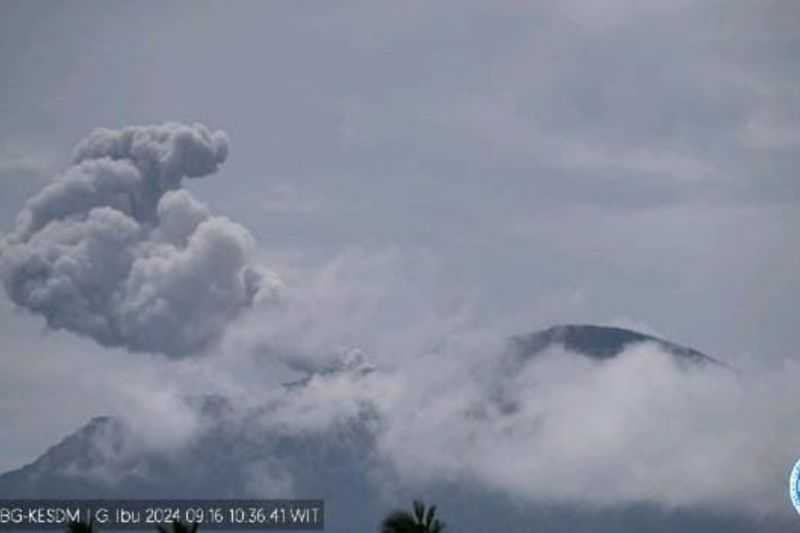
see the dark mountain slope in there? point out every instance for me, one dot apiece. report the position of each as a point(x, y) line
point(599, 342)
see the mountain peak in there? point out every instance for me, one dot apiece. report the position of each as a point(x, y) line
point(598, 342)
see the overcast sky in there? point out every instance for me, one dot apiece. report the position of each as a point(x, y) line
point(549, 162)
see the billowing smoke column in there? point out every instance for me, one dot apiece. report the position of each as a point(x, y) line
point(115, 250)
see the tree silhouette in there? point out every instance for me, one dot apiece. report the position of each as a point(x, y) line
point(179, 527)
point(418, 522)
point(77, 526)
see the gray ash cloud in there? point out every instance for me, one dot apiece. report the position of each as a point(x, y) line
point(116, 250)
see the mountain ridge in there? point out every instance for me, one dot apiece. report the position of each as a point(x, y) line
point(600, 342)
point(226, 461)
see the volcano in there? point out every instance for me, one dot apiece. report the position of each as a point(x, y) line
point(233, 458)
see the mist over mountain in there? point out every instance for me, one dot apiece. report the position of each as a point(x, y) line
point(238, 453)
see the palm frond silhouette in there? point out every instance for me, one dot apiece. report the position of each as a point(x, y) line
point(77, 526)
point(421, 521)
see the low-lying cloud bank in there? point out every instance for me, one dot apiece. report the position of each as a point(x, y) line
point(636, 428)
point(564, 428)
point(116, 251)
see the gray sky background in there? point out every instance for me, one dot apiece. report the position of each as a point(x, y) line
point(548, 161)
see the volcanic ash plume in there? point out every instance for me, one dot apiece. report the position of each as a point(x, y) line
point(115, 250)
